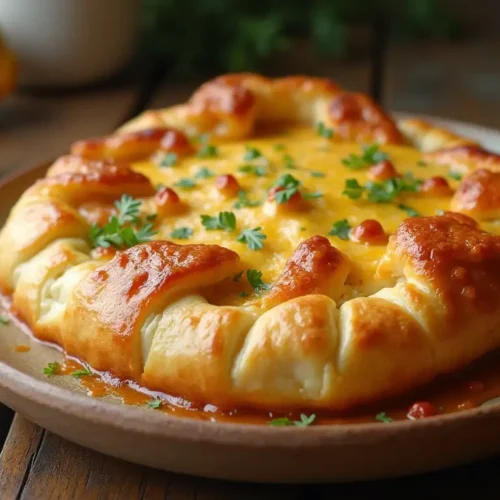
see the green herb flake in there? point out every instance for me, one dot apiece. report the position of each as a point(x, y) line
point(251, 154)
point(409, 210)
point(383, 417)
point(254, 277)
point(253, 169)
point(237, 276)
point(118, 231)
point(341, 229)
point(208, 151)
point(455, 175)
point(289, 162)
point(371, 155)
point(290, 185)
point(243, 201)
point(253, 238)
point(305, 421)
point(323, 131)
point(154, 403)
point(4, 320)
point(204, 173)
point(181, 233)
point(317, 174)
point(84, 372)
point(244, 294)
point(312, 196)
point(353, 189)
point(421, 163)
point(279, 147)
point(52, 368)
point(168, 160)
point(225, 221)
point(185, 183)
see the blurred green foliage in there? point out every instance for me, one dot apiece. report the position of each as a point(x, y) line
point(200, 37)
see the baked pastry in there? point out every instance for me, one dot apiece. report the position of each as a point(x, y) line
point(309, 252)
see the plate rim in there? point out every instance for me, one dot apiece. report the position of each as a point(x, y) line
point(129, 418)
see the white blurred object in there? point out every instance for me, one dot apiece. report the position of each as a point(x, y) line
point(69, 42)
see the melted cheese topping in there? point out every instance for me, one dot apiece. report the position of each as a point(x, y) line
point(319, 168)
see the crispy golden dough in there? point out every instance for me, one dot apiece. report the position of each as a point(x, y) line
point(478, 195)
point(134, 145)
point(357, 117)
point(289, 355)
point(194, 348)
point(34, 278)
point(382, 351)
point(30, 227)
point(316, 267)
point(457, 261)
point(108, 308)
point(465, 159)
point(232, 106)
point(429, 138)
point(75, 180)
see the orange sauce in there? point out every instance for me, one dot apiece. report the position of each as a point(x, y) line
point(465, 389)
point(448, 394)
point(22, 348)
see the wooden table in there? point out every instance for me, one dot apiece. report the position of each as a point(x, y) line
point(458, 81)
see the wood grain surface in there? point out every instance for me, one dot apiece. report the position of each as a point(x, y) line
point(35, 464)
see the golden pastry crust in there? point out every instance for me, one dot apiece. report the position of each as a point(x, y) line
point(429, 138)
point(326, 331)
point(478, 195)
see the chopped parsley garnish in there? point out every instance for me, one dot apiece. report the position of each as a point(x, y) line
point(51, 369)
point(84, 372)
point(289, 162)
point(317, 174)
point(421, 163)
point(204, 173)
point(410, 211)
point(128, 209)
point(154, 403)
point(290, 185)
point(244, 294)
point(311, 196)
point(185, 183)
point(341, 229)
point(225, 220)
point(117, 232)
point(371, 155)
point(353, 189)
point(439, 211)
point(324, 131)
point(168, 160)
point(304, 421)
point(208, 151)
point(237, 276)
point(151, 217)
point(254, 277)
point(279, 147)
point(253, 238)
point(253, 169)
point(4, 320)
point(251, 154)
point(381, 192)
point(383, 417)
point(181, 233)
point(455, 175)
point(243, 201)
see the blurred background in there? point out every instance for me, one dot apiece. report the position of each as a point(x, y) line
point(83, 66)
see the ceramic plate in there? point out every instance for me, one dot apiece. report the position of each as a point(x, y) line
point(235, 451)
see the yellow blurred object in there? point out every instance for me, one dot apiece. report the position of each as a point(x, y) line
point(8, 69)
